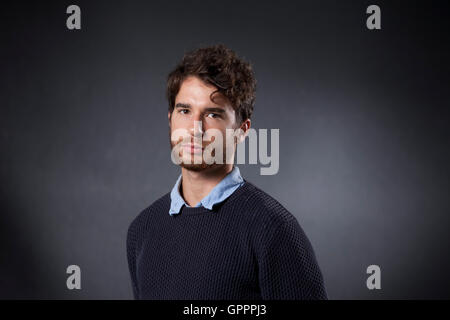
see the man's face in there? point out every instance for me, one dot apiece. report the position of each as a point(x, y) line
point(196, 113)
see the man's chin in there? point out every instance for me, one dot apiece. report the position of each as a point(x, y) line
point(195, 167)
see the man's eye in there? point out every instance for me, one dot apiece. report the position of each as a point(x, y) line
point(183, 111)
point(213, 115)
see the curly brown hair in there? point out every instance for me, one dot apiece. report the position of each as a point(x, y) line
point(221, 67)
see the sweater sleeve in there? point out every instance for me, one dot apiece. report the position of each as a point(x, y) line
point(288, 269)
point(131, 256)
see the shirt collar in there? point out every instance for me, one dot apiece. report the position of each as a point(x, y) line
point(219, 193)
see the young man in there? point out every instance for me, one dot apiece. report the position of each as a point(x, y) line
point(216, 235)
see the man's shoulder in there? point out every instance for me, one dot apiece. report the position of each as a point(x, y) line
point(265, 217)
point(158, 207)
point(265, 206)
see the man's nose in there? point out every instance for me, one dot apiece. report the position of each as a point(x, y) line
point(196, 129)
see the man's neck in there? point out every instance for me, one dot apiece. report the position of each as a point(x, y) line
point(196, 185)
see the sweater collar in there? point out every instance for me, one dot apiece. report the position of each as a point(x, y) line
point(219, 193)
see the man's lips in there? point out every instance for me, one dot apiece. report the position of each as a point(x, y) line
point(192, 148)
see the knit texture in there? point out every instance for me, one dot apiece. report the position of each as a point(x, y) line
point(247, 247)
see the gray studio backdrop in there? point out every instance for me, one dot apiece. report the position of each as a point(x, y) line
point(363, 118)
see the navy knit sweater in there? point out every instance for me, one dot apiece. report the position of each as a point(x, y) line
point(247, 247)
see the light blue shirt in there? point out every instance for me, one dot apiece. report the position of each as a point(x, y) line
point(219, 193)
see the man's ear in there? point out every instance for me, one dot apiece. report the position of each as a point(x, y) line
point(169, 115)
point(245, 127)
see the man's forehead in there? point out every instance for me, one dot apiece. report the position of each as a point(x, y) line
point(195, 92)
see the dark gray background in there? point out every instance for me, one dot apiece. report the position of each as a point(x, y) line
point(363, 118)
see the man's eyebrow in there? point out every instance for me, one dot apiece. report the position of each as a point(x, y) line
point(218, 110)
point(183, 105)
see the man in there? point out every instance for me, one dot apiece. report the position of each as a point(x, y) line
point(216, 235)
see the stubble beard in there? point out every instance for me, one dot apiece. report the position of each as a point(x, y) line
point(198, 167)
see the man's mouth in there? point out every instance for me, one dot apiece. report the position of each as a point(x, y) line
point(192, 148)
